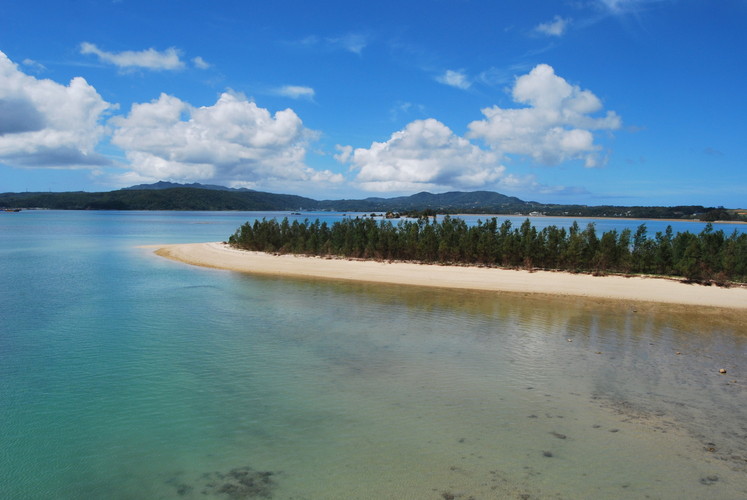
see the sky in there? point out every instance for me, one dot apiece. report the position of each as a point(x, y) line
point(624, 102)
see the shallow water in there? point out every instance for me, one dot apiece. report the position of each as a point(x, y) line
point(127, 376)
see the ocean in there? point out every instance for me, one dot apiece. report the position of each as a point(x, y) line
point(124, 375)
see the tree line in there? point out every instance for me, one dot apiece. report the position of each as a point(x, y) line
point(710, 256)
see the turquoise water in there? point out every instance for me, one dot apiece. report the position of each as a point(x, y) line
point(128, 376)
point(603, 225)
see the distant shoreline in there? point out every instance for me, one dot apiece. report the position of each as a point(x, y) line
point(636, 289)
point(498, 216)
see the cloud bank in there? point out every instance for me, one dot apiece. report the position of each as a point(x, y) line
point(555, 124)
point(44, 124)
point(234, 142)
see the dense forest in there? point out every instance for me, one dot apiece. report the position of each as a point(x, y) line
point(708, 257)
point(181, 198)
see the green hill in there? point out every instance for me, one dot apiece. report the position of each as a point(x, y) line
point(171, 196)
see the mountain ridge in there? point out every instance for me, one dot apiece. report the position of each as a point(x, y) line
point(165, 195)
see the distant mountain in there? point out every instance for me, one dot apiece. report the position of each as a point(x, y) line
point(451, 202)
point(172, 196)
point(172, 185)
point(160, 197)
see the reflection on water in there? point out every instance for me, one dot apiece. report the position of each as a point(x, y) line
point(128, 376)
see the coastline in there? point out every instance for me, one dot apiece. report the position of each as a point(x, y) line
point(498, 216)
point(633, 289)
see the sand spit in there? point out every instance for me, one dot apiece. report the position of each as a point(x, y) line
point(658, 290)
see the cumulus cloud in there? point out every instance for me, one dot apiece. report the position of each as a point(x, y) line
point(556, 27)
point(295, 92)
point(456, 79)
point(169, 59)
point(46, 124)
point(234, 142)
point(555, 126)
point(426, 154)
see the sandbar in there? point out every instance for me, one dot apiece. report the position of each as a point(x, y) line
point(640, 289)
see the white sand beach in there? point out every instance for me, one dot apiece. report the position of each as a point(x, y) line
point(640, 289)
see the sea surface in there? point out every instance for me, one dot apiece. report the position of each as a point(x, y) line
point(124, 375)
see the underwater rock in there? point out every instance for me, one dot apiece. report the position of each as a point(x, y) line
point(708, 480)
point(183, 489)
point(238, 484)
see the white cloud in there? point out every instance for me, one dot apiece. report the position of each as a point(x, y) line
point(345, 153)
point(34, 66)
point(556, 27)
point(46, 124)
point(169, 59)
point(627, 6)
point(233, 142)
point(352, 42)
point(501, 76)
point(295, 92)
point(403, 108)
point(620, 5)
point(425, 155)
point(200, 63)
point(455, 79)
point(555, 126)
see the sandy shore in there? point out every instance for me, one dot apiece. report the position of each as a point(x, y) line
point(221, 256)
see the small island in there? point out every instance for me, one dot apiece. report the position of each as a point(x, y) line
point(710, 257)
point(625, 266)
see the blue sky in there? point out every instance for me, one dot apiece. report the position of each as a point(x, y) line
point(629, 102)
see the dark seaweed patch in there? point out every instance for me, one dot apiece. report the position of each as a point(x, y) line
point(708, 480)
point(237, 484)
